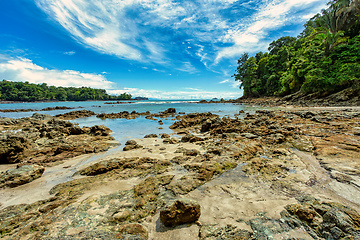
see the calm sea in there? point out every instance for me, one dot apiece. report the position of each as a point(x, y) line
point(124, 129)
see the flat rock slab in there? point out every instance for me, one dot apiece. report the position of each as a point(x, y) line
point(19, 176)
point(180, 211)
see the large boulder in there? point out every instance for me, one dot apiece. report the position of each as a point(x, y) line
point(19, 176)
point(180, 211)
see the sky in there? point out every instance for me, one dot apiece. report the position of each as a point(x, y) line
point(166, 49)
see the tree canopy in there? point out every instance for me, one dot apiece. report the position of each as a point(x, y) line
point(27, 92)
point(325, 57)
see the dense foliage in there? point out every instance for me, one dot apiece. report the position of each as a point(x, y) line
point(324, 58)
point(24, 91)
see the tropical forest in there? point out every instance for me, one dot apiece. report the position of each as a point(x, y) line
point(27, 92)
point(323, 59)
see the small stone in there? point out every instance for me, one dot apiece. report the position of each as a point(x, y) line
point(121, 216)
point(151, 136)
point(131, 142)
point(179, 212)
point(249, 135)
point(191, 152)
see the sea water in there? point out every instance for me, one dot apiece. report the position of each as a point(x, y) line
point(124, 129)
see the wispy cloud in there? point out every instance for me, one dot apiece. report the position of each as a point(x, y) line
point(152, 30)
point(23, 69)
point(70, 53)
point(224, 81)
point(253, 35)
point(187, 67)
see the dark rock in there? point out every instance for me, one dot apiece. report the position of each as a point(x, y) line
point(165, 135)
point(19, 176)
point(191, 152)
point(179, 212)
point(76, 114)
point(131, 142)
point(170, 110)
point(191, 138)
point(151, 136)
point(131, 147)
point(171, 140)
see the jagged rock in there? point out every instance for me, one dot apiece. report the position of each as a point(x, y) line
point(132, 147)
point(151, 136)
point(19, 176)
point(43, 139)
point(171, 140)
point(179, 212)
point(191, 152)
point(165, 135)
point(76, 114)
point(170, 110)
point(131, 142)
point(191, 138)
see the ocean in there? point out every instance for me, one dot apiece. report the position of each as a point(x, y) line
point(124, 129)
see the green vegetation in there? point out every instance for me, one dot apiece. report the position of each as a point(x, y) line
point(324, 58)
point(27, 92)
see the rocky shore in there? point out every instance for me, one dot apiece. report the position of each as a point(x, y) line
point(345, 98)
point(291, 173)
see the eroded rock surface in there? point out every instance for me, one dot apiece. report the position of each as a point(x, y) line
point(271, 175)
point(19, 176)
point(43, 139)
point(179, 212)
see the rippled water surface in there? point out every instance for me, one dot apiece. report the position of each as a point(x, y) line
point(124, 129)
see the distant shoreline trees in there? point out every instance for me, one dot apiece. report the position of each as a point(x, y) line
point(29, 92)
point(324, 58)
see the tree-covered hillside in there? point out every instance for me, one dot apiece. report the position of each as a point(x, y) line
point(24, 91)
point(324, 58)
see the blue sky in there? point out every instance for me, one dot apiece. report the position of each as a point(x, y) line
point(159, 49)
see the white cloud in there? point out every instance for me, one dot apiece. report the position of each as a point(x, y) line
point(23, 69)
point(187, 67)
point(70, 53)
point(192, 94)
point(224, 81)
point(250, 36)
point(148, 30)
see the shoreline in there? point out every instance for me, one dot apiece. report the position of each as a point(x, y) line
point(237, 169)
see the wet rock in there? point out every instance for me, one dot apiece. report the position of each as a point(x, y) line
point(191, 138)
point(131, 142)
point(192, 119)
point(131, 145)
point(170, 110)
point(179, 212)
point(75, 114)
point(171, 140)
point(191, 152)
point(165, 135)
point(19, 176)
point(42, 139)
point(151, 136)
point(100, 130)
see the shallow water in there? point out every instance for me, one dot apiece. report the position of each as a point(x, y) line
point(124, 129)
